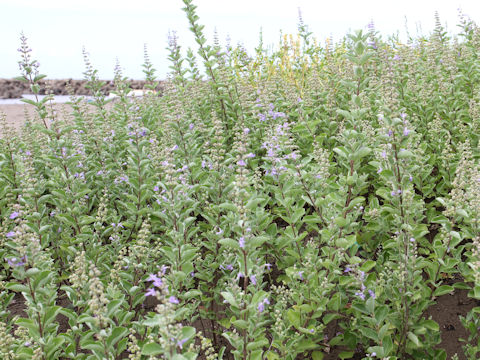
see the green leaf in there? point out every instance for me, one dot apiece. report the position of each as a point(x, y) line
point(431, 325)
point(116, 335)
point(256, 355)
point(306, 344)
point(367, 265)
point(346, 354)
point(188, 332)
point(257, 344)
point(230, 298)
point(152, 349)
point(340, 221)
point(39, 77)
point(294, 317)
point(461, 285)
point(405, 154)
point(317, 355)
point(341, 151)
point(414, 338)
point(16, 287)
point(53, 345)
point(442, 290)
point(113, 306)
point(28, 101)
point(241, 324)
point(362, 152)
point(369, 333)
point(273, 355)
point(230, 243)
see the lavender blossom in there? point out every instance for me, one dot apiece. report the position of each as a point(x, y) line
point(173, 300)
point(151, 292)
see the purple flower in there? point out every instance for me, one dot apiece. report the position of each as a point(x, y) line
point(250, 155)
point(261, 307)
point(379, 170)
point(384, 154)
point(393, 193)
point(390, 133)
point(241, 242)
point(15, 262)
point(14, 215)
point(406, 131)
point(261, 117)
point(191, 126)
point(253, 279)
point(412, 240)
point(173, 300)
point(246, 131)
point(163, 269)
point(360, 294)
point(10, 234)
point(151, 292)
point(241, 162)
point(156, 189)
point(300, 275)
point(372, 294)
point(229, 267)
point(268, 266)
point(157, 282)
point(219, 232)
point(181, 342)
point(347, 269)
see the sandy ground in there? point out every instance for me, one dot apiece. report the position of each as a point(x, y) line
point(15, 113)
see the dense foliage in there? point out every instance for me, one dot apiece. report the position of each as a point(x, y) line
point(251, 207)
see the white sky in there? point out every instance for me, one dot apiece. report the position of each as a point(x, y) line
point(58, 29)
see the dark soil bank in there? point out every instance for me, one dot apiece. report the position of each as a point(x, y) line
point(13, 89)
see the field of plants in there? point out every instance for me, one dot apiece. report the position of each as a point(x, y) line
point(305, 202)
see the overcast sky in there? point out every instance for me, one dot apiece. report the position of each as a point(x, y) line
point(110, 29)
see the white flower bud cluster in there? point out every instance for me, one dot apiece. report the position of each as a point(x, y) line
point(79, 276)
point(97, 300)
point(6, 343)
point(135, 352)
point(475, 259)
point(464, 183)
point(206, 347)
